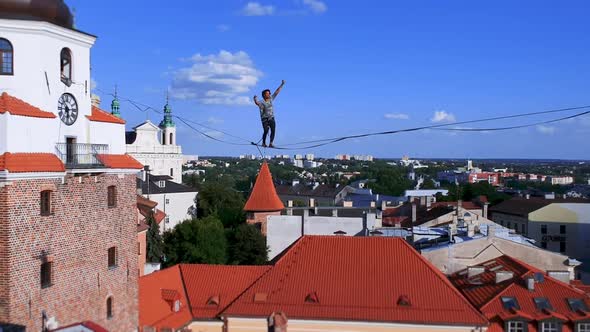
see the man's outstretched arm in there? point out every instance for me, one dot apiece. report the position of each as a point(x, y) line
point(274, 95)
point(256, 101)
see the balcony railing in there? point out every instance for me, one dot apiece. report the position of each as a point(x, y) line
point(76, 155)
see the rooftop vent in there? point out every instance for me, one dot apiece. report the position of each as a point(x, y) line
point(213, 300)
point(502, 276)
point(340, 232)
point(404, 301)
point(539, 277)
point(312, 298)
point(475, 270)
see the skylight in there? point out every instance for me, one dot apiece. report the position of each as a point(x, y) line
point(510, 303)
point(577, 305)
point(542, 303)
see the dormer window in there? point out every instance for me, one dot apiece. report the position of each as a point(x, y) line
point(6, 57)
point(162, 184)
point(66, 66)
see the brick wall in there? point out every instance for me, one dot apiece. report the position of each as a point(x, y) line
point(260, 219)
point(142, 252)
point(76, 238)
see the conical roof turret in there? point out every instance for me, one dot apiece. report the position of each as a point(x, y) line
point(263, 197)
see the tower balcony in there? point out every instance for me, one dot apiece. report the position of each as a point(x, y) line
point(79, 155)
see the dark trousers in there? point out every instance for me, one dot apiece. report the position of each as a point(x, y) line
point(266, 124)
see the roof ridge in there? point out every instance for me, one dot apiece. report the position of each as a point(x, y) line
point(445, 280)
point(188, 299)
point(269, 267)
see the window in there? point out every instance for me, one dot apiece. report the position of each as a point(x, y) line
point(172, 172)
point(110, 307)
point(543, 229)
point(6, 57)
point(509, 225)
point(46, 202)
point(510, 303)
point(544, 244)
point(138, 248)
point(66, 66)
point(171, 139)
point(162, 184)
point(112, 259)
point(562, 229)
point(549, 327)
point(562, 246)
point(515, 326)
point(577, 305)
point(46, 274)
point(583, 327)
point(167, 219)
point(167, 200)
point(112, 196)
point(543, 303)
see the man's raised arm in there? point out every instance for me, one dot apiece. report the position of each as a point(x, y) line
point(274, 95)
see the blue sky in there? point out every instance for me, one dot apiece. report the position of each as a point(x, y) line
point(351, 67)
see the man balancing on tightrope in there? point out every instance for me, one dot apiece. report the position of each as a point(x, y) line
point(267, 115)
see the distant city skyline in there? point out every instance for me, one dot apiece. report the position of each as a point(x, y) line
point(350, 69)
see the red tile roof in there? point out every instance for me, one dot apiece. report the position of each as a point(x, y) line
point(209, 289)
point(156, 310)
point(103, 116)
point(264, 196)
point(208, 285)
point(144, 202)
point(16, 106)
point(483, 291)
point(30, 162)
point(159, 215)
point(347, 278)
point(119, 161)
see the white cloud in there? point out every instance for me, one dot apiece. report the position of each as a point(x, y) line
point(256, 9)
point(548, 130)
point(93, 84)
point(221, 79)
point(442, 116)
point(316, 6)
point(396, 116)
point(223, 27)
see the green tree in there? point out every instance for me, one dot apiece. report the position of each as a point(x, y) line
point(196, 241)
point(219, 199)
point(247, 246)
point(154, 241)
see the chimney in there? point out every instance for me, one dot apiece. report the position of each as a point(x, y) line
point(459, 205)
point(472, 271)
point(413, 213)
point(311, 202)
point(528, 196)
point(503, 276)
point(485, 209)
point(373, 204)
point(95, 100)
point(383, 205)
point(334, 212)
point(428, 202)
point(530, 283)
point(422, 200)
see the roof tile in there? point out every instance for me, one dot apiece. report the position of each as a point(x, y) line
point(15, 106)
point(103, 116)
point(264, 196)
point(30, 162)
point(123, 161)
point(353, 282)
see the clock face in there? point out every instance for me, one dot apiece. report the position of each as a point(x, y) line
point(67, 108)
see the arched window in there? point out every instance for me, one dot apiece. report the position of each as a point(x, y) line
point(110, 307)
point(112, 196)
point(171, 142)
point(6, 57)
point(66, 66)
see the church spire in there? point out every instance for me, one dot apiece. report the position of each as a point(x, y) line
point(167, 121)
point(115, 105)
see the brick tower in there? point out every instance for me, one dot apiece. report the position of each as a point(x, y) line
point(263, 200)
point(68, 250)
